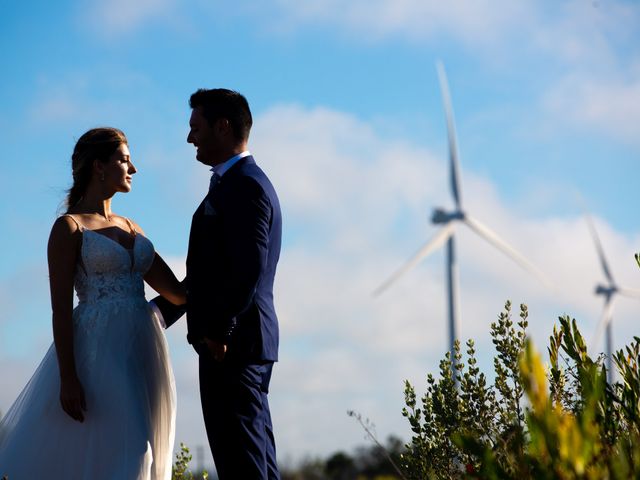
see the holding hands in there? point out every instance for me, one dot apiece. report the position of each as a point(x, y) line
point(217, 349)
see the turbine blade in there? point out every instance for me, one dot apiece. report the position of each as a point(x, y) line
point(629, 292)
point(601, 257)
point(437, 241)
point(605, 319)
point(454, 163)
point(497, 242)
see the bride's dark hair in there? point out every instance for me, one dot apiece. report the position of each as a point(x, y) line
point(96, 144)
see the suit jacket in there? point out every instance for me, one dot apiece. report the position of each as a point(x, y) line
point(234, 247)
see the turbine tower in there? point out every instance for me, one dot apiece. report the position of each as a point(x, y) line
point(448, 220)
point(608, 291)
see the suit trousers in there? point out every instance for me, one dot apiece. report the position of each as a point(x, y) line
point(237, 418)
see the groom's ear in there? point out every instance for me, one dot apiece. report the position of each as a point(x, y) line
point(223, 126)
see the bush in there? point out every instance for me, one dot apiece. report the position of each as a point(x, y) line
point(181, 470)
point(564, 421)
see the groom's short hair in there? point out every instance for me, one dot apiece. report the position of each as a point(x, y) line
point(219, 103)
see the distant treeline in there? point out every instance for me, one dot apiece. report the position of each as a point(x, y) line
point(365, 463)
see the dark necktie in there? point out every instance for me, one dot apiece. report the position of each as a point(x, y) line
point(215, 178)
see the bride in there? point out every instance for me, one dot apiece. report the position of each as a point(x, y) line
point(101, 404)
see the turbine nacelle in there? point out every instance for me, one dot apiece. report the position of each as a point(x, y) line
point(608, 291)
point(440, 216)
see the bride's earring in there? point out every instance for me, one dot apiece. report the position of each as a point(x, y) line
point(102, 177)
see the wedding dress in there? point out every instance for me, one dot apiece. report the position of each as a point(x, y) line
point(123, 364)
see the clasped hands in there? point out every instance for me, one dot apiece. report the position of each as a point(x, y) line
point(217, 349)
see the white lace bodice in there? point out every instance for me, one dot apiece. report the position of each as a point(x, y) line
point(109, 283)
point(109, 273)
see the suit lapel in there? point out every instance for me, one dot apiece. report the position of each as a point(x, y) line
point(212, 196)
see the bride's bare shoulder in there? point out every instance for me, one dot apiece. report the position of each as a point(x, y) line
point(64, 228)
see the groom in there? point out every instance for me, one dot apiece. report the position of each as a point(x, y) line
point(234, 246)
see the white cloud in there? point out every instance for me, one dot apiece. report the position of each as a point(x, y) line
point(579, 52)
point(575, 31)
point(586, 33)
point(115, 17)
point(472, 22)
point(582, 55)
point(610, 105)
point(68, 99)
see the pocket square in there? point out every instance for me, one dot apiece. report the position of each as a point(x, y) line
point(208, 209)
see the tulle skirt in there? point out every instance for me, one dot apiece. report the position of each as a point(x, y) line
point(128, 432)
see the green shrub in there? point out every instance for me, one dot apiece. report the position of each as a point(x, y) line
point(181, 466)
point(562, 420)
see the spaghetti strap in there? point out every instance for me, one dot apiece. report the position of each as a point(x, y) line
point(78, 224)
point(81, 228)
point(133, 229)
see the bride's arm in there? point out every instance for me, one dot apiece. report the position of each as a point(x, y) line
point(162, 279)
point(62, 254)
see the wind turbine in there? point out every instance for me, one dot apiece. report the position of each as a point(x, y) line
point(608, 291)
point(448, 221)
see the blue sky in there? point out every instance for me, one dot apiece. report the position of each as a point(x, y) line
point(348, 123)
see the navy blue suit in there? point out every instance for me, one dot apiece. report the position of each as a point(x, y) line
point(234, 246)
